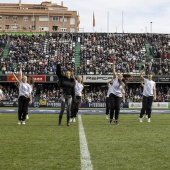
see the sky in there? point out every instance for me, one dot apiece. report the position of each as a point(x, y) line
point(128, 16)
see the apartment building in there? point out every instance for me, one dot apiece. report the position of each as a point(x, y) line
point(46, 16)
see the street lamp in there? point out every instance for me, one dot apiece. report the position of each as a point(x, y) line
point(151, 27)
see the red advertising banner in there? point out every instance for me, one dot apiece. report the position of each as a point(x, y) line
point(11, 78)
point(37, 78)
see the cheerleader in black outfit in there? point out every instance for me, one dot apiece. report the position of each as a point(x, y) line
point(68, 85)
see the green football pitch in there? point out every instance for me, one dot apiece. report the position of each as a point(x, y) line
point(43, 145)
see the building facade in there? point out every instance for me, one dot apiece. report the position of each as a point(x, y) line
point(46, 16)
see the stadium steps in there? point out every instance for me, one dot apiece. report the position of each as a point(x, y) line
point(147, 46)
point(6, 51)
point(77, 57)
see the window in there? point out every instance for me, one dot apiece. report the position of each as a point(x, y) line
point(0, 17)
point(72, 21)
point(43, 18)
point(15, 18)
point(72, 29)
point(63, 29)
point(0, 27)
point(43, 28)
point(7, 17)
point(33, 27)
point(14, 27)
point(62, 19)
point(54, 18)
point(25, 18)
point(7, 27)
point(55, 28)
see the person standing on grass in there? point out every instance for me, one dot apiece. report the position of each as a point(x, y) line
point(68, 85)
point(78, 94)
point(25, 97)
point(107, 99)
point(149, 94)
point(117, 94)
point(1, 93)
point(31, 83)
point(142, 85)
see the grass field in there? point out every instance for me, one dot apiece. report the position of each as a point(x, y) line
point(42, 145)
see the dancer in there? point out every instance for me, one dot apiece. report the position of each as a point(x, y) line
point(149, 94)
point(68, 85)
point(117, 93)
point(76, 103)
point(31, 83)
point(107, 98)
point(24, 97)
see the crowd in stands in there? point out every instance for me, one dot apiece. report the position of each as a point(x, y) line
point(93, 93)
point(38, 53)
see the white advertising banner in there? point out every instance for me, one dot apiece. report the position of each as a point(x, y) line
point(135, 105)
point(160, 105)
point(155, 105)
point(97, 78)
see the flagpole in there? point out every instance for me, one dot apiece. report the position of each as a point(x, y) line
point(48, 22)
point(122, 22)
point(107, 21)
point(33, 19)
point(93, 21)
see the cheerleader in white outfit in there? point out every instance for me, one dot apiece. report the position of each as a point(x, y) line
point(78, 94)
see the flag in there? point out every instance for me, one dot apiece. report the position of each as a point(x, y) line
point(93, 20)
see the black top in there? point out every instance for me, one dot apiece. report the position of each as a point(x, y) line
point(67, 84)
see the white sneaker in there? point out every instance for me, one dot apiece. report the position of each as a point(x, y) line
point(149, 120)
point(71, 119)
point(74, 119)
point(27, 117)
point(19, 122)
point(23, 122)
point(107, 117)
point(140, 120)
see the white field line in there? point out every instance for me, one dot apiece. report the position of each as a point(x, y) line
point(84, 151)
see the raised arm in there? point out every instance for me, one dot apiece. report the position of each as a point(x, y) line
point(58, 71)
point(20, 74)
point(114, 70)
point(141, 76)
point(16, 78)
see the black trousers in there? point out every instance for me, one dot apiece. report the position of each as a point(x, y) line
point(65, 100)
point(115, 102)
point(107, 105)
point(146, 106)
point(23, 103)
point(75, 106)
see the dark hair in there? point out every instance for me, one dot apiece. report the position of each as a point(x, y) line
point(30, 80)
point(126, 77)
